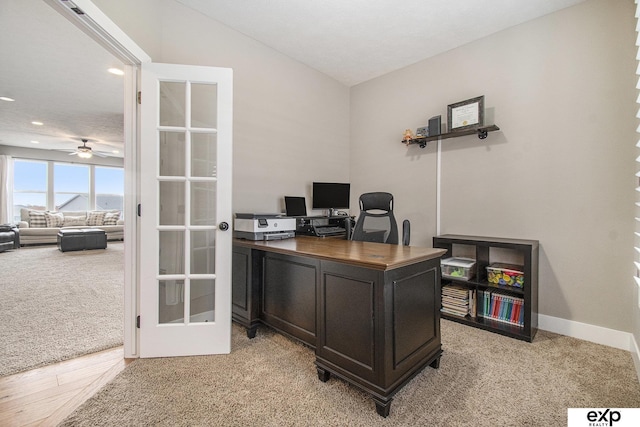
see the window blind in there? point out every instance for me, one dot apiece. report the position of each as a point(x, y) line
point(637, 196)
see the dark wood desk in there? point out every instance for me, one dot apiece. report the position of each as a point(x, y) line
point(370, 310)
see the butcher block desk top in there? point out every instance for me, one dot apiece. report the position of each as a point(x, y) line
point(376, 256)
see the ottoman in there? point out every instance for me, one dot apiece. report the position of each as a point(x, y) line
point(79, 239)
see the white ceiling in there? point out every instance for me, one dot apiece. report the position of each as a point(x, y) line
point(58, 75)
point(357, 40)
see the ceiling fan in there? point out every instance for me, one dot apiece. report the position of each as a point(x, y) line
point(85, 152)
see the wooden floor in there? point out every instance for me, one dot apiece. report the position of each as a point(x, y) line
point(46, 396)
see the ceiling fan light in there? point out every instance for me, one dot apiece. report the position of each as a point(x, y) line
point(84, 154)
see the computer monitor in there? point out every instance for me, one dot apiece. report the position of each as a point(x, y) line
point(295, 206)
point(330, 195)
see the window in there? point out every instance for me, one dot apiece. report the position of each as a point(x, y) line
point(57, 186)
point(71, 185)
point(109, 188)
point(29, 186)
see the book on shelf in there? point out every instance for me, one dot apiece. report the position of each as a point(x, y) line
point(453, 312)
point(473, 310)
point(500, 307)
point(458, 301)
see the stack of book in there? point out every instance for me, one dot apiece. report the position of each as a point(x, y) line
point(458, 301)
point(503, 308)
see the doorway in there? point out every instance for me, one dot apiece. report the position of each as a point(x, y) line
point(83, 118)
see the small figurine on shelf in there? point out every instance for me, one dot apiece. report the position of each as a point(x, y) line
point(408, 136)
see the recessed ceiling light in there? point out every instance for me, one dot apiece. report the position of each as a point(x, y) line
point(116, 71)
point(115, 151)
point(35, 142)
point(6, 98)
point(37, 123)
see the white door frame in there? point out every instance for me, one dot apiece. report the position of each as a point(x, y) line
point(93, 22)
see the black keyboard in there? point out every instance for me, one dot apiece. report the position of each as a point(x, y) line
point(329, 231)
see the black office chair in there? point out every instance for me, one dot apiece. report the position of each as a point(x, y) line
point(376, 222)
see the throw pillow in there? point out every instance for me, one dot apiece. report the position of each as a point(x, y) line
point(37, 219)
point(74, 221)
point(111, 218)
point(95, 218)
point(54, 219)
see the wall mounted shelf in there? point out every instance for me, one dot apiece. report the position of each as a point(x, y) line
point(482, 133)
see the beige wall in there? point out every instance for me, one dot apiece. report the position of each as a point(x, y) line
point(286, 115)
point(559, 171)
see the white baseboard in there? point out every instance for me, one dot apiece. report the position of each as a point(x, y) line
point(597, 334)
point(635, 353)
point(584, 331)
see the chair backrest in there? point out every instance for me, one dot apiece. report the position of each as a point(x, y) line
point(376, 222)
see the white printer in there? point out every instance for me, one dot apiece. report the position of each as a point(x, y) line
point(252, 226)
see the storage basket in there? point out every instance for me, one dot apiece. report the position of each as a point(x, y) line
point(458, 268)
point(505, 275)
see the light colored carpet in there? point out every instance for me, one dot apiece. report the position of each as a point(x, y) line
point(484, 380)
point(55, 306)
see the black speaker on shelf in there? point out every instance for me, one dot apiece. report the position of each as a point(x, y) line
point(434, 125)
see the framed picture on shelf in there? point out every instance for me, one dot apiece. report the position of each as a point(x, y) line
point(466, 114)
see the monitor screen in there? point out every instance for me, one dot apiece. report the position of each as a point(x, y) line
point(295, 206)
point(330, 195)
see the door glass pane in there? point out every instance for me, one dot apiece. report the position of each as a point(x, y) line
point(171, 301)
point(202, 300)
point(204, 100)
point(171, 199)
point(203, 252)
point(171, 253)
point(203, 203)
point(203, 154)
point(172, 104)
point(172, 154)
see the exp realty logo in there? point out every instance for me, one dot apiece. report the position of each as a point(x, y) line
point(603, 417)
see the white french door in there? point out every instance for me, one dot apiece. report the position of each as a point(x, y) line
point(185, 211)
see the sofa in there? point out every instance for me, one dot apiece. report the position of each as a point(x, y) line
point(40, 227)
point(9, 237)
